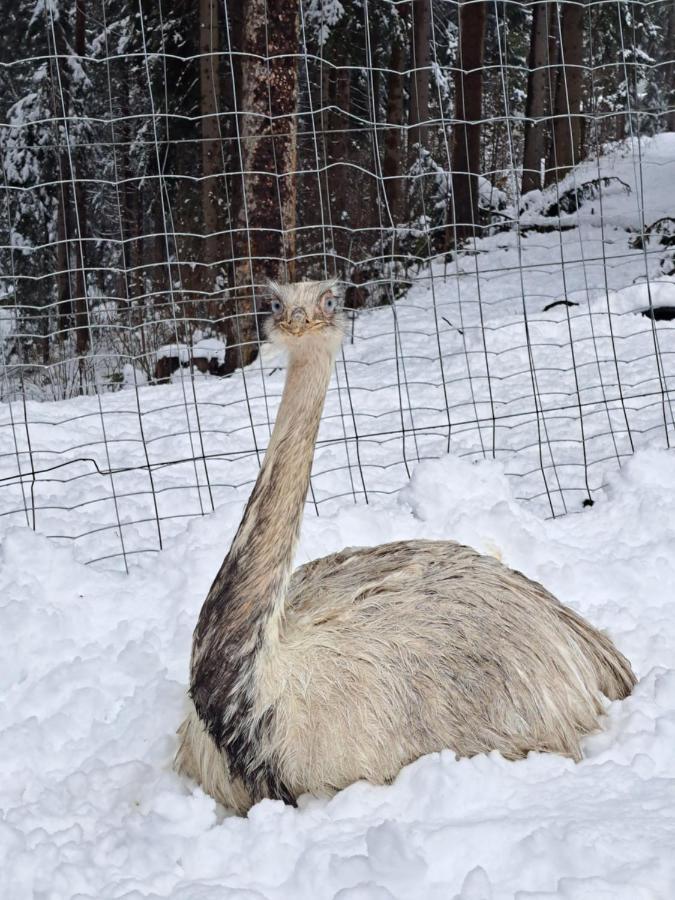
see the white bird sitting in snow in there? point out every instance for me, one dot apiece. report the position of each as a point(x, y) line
point(354, 665)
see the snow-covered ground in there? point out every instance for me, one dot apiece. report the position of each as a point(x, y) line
point(94, 667)
point(94, 662)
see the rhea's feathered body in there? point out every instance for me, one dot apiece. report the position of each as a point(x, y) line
point(358, 663)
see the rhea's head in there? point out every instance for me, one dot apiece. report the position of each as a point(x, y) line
point(305, 316)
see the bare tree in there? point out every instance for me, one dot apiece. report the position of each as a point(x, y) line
point(567, 131)
point(267, 100)
point(466, 131)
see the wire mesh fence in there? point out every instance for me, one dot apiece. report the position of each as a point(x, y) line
point(493, 183)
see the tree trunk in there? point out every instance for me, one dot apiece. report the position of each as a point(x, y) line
point(534, 150)
point(81, 307)
point(419, 87)
point(64, 292)
point(61, 99)
point(339, 137)
point(132, 220)
point(72, 218)
point(324, 141)
point(230, 93)
point(566, 147)
point(267, 101)
point(464, 213)
point(212, 167)
point(393, 140)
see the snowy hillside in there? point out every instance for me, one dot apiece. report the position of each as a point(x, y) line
point(94, 662)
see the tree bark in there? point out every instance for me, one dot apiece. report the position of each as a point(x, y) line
point(393, 141)
point(132, 220)
point(71, 219)
point(60, 99)
point(339, 138)
point(209, 93)
point(464, 214)
point(566, 145)
point(419, 87)
point(268, 99)
point(64, 293)
point(534, 150)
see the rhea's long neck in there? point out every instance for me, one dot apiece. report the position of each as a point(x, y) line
point(243, 611)
point(267, 536)
point(251, 586)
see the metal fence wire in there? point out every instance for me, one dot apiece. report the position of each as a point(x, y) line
point(492, 183)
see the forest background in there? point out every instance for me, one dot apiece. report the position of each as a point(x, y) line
point(161, 161)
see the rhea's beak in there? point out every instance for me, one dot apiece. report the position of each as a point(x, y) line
point(298, 321)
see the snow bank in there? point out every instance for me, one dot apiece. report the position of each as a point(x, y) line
point(205, 348)
point(93, 673)
point(209, 348)
point(181, 352)
point(640, 298)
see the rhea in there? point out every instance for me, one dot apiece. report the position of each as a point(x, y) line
point(354, 665)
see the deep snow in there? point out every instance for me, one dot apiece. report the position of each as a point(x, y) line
point(94, 667)
point(94, 663)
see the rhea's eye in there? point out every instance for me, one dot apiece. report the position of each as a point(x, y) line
point(328, 303)
point(276, 306)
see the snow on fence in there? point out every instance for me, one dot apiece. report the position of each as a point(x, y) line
point(492, 183)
